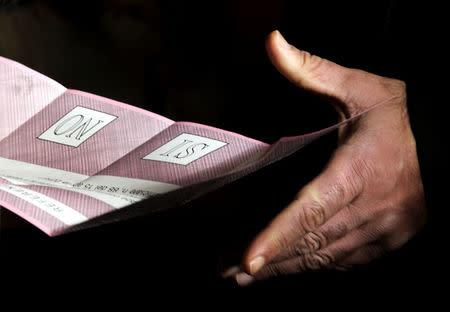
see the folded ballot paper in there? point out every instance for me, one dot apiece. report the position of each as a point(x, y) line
point(71, 160)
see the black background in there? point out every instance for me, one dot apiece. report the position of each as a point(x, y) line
point(205, 61)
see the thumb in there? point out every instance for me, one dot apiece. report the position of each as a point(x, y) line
point(352, 90)
point(308, 71)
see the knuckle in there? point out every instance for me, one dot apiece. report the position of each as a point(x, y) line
point(395, 219)
point(397, 228)
point(337, 230)
point(337, 191)
point(312, 216)
point(383, 85)
point(390, 221)
point(304, 58)
point(395, 86)
point(314, 241)
point(302, 264)
point(323, 259)
point(317, 261)
point(312, 63)
point(310, 262)
point(315, 63)
point(351, 79)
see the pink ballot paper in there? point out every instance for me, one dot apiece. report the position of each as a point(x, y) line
point(71, 160)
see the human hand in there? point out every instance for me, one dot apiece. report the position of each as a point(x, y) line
point(369, 198)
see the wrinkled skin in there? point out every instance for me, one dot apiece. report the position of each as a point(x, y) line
point(369, 198)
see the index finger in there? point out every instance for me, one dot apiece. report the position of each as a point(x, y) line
point(317, 202)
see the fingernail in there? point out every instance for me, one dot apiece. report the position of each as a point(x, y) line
point(256, 264)
point(244, 279)
point(282, 42)
point(231, 271)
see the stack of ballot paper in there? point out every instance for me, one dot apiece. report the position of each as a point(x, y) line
point(70, 159)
